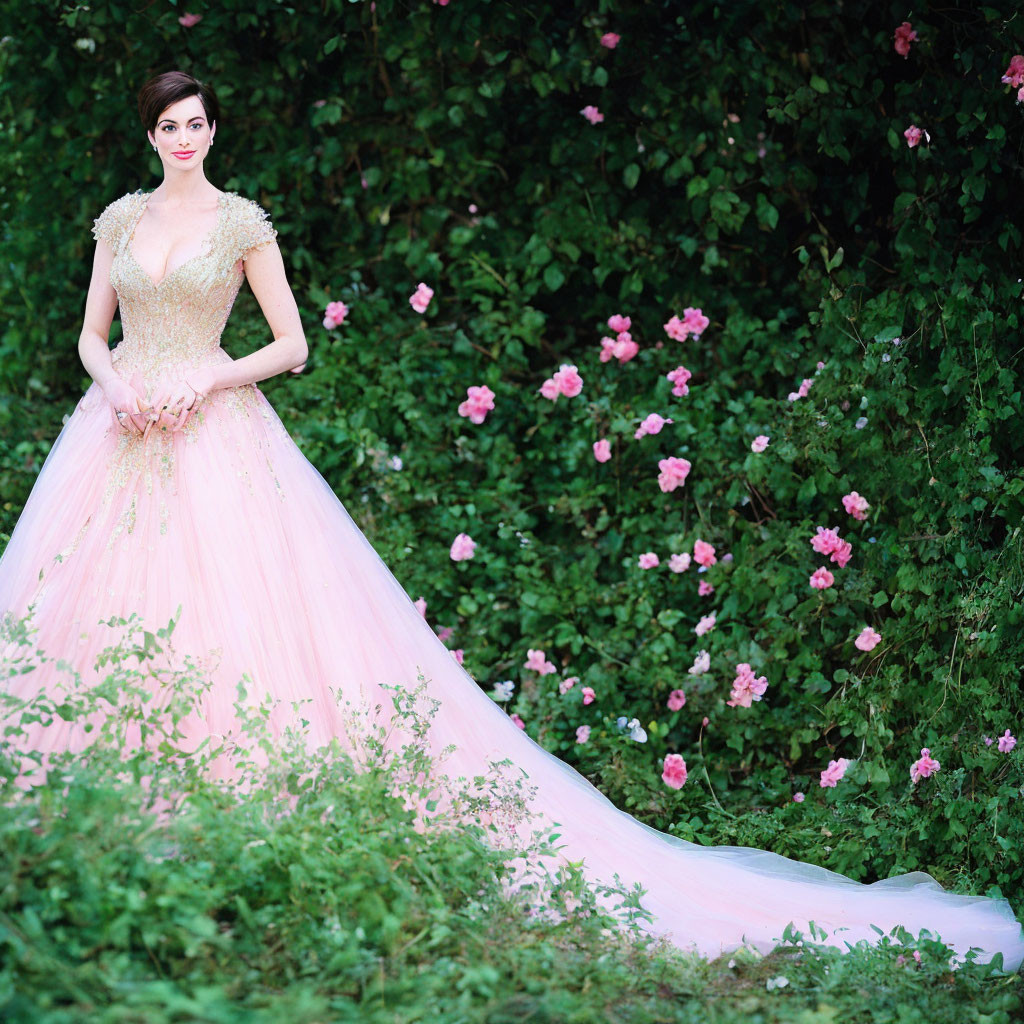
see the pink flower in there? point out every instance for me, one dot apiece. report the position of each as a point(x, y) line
point(834, 772)
point(673, 473)
point(602, 450)
point(704, 553)
point(705, 721)
point(913, 135)
point(588, 695)
point(1020, 94)
point(673, 772)
point(1007, 742)
point(536, 662)
point(825, 541)
point(855, 505)
point(651, 424)
point(463, 547)
point(704, 588)
point(705, 625)
point(444, 633)
point(842, 554)
point(582, 733)
point(924, 766)
point(680, 563)
point(759, 443)
point(1014, 76)
point(334, 314)
point(798, 798)
point(621, 347)
point(569, 382)
point(693, 322)
point(902, 38)
point(567, 684)
point(701, 664)
point(592, 114)
point(746, 687)
point(610, 39)
point(679, 376)
point(479, 402)
point(867, 640)
point(457, 654)
point(549, 389)
point(519, 722)
point(648, 560)
point(188, 20)
point(619, 323)
point(821, 579)
point(676, 699)
point(420, 299)
point(421, 606)
point(805, 386)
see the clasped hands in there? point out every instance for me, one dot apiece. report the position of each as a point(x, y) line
point(171, 406)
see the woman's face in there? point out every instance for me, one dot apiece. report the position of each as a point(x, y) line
point(182, 128)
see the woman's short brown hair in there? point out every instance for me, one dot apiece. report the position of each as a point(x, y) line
point(163, 90)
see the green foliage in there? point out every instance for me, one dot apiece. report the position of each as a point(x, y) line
point(752, 163)
point(303, 887)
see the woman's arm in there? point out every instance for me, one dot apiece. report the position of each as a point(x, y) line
point(265, 270)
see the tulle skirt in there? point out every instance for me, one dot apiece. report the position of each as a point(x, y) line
point(276, 583)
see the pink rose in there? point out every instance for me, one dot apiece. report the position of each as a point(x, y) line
point(1014, 76)
point(519, 722)
point(673, 473)
point(651, 424)
point(693, 322)
point(842, 553)
point(913, 135)
point(588, 695)
point(610, 39)
point(673, 772)
point(592, 114)
point(855, 505)
point(704, 588)
point(821, 579)
point(648, 560)
point(536, 662)
point(549, 389)
point(759, 443)
point(679, 376)
point(420, 299)
point(479, 402)
point(569, 382)
point(902, 38)
point(704, 553)
point(746, 687)
point(582, 733)
point(421, 606)
point(867, 640)
point(676, 699)
point(834, 772)
point(567, 684)
point(798, 798)
point(602, 450)
point(679, 563)
point(619, 323)
point(1007, 742)
point(705, 625)
point(334, 314)
point(924, 766)
point(463, 547)
point(188, 20)
point(457, 654)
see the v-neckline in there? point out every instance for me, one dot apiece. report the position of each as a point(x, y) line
point(221, 206)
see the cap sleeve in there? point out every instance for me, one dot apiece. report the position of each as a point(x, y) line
point(110, 224)
point(253, 230)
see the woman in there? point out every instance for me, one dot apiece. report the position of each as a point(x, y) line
point(174, 484)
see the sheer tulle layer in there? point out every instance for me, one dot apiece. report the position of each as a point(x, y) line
point(277, 582)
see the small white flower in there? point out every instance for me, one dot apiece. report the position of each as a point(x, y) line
point(861, 423)
point(636, 732)
point(780, 981)
point(701, 664)
point(503, 690)
point(396, 462)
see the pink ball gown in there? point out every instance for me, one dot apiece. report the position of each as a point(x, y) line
point(230, 521)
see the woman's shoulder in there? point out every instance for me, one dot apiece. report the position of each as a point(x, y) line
point(244, 206)
point(115, 216)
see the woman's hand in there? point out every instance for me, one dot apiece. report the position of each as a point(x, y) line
point(127, 406)
point(174, 403)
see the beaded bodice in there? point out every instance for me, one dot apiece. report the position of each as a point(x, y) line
point(178, 322)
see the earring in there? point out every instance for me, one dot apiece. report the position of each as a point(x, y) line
point(154, 149)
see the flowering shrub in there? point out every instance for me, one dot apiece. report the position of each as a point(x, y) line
point(745, 244)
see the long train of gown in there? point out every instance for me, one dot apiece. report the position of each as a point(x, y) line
point(229, 520)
